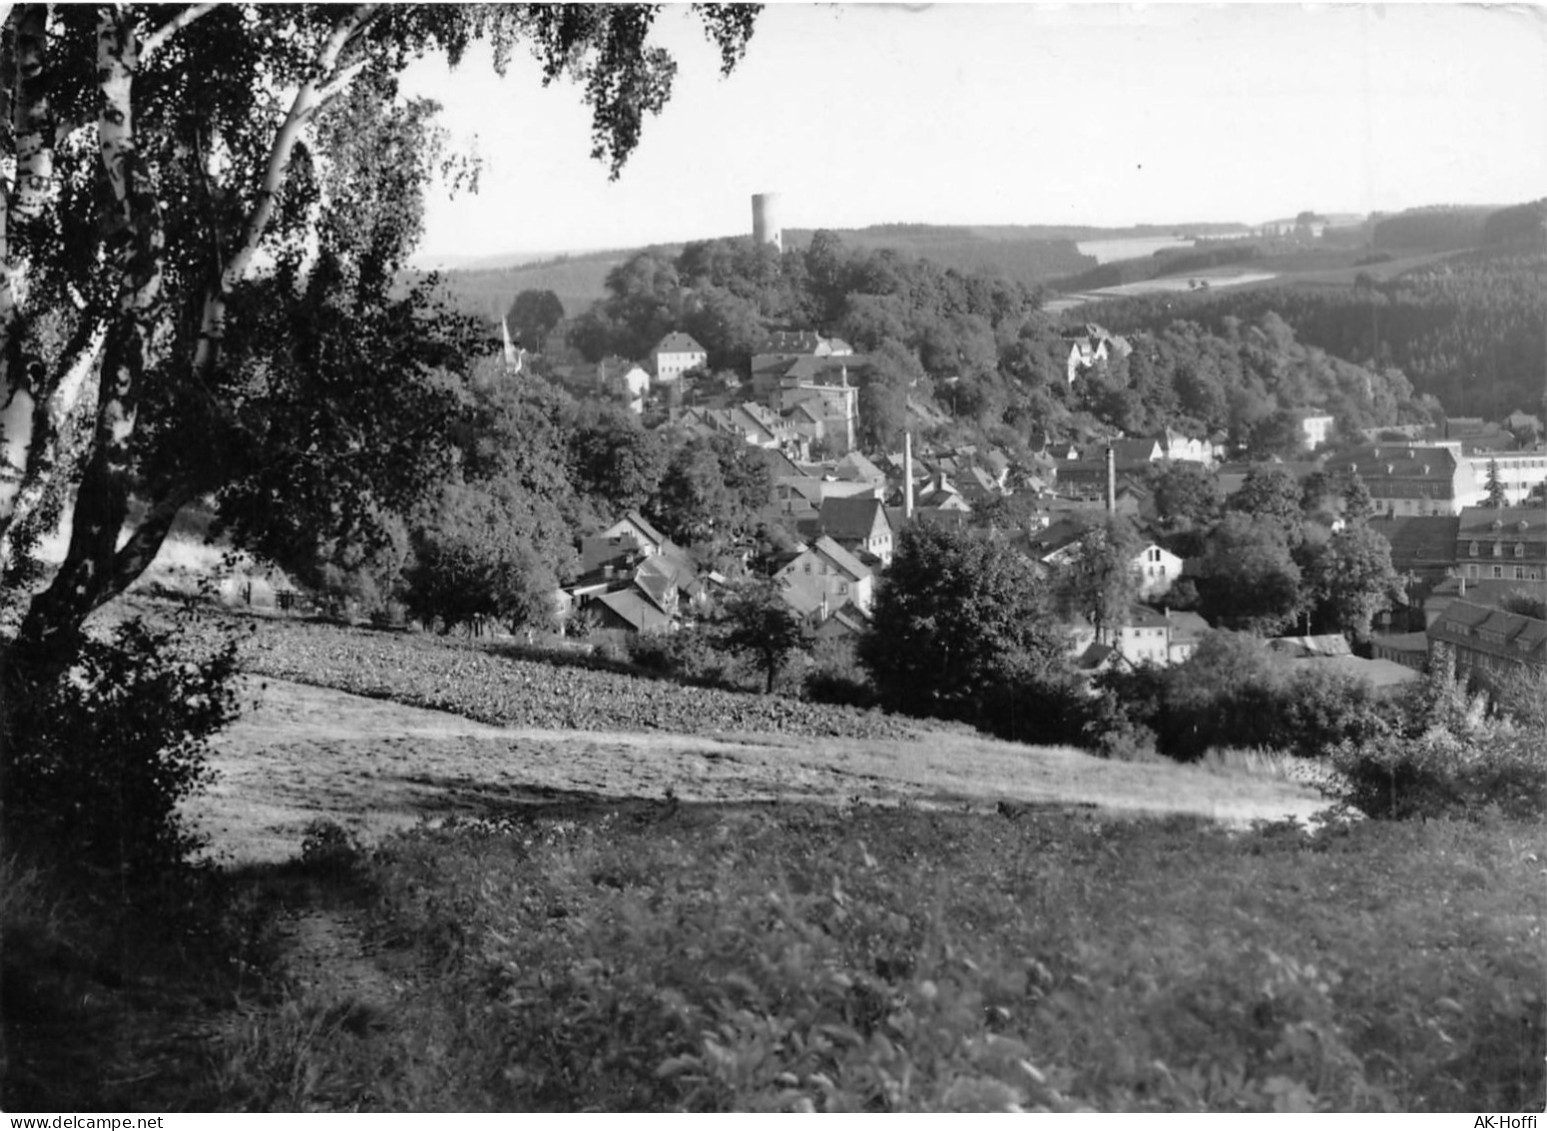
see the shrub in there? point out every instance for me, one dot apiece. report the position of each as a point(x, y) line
point(1489, 769)
point(836, 676)
point(688, 654)
point(331, 850)
point(1319, 709)
point(97, 762)
point(1114, 732)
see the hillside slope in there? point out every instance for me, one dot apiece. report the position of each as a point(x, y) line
point(301, 753)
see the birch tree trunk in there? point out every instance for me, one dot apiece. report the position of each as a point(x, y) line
point(50, 632)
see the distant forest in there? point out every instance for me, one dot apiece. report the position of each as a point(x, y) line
point(1469, 330)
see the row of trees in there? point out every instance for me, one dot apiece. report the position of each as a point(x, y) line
point(1269, 557)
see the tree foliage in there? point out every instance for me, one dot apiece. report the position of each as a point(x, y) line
point(760, 623)
point(1248, 578)
point(1348, 579)
point(1466, 332)
point(963, 629)
point(161, 154)
point(1100, 581)
point(533, 315)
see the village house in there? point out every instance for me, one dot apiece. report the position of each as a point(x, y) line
point(819, 397)
point(846, 623)
point(803, 343)
point(938, 493)
point(1411, 479)
point(1509, 544)
point(751, 423)
point(627, 379)
point(1086, 475)
point(1091, 347)
point(860, 525)
point(825, 576)
point(1146, 636)
point(1156, 567)
point(633, 530)
point(1470, 638)
point(1315, 430)
point(676, 354)
point(1410, 649)
point(1422, 546)
point(1491, 593)
point(1178, 447)
point(633, 579)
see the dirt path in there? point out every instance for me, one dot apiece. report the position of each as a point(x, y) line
point(303, 752)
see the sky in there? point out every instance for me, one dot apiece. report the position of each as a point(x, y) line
point(1108, 115)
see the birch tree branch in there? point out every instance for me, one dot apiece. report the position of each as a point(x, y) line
point(158, 38)
point(326, 77)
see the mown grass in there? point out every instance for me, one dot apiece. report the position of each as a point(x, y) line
point(777, 958)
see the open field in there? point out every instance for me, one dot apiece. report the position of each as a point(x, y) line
point(1115, 250)
point(306, 753)
point(1164, 284)
point(1315, 269)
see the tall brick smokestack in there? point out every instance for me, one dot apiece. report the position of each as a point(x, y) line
point(1111, 481)
point(907, 475)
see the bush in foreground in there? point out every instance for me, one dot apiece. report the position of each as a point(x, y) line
point(97, 762)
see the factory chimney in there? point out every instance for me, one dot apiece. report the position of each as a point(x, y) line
point(907, 476)
point(1111, 481)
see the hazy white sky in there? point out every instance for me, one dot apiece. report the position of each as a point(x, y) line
point(1018, 113)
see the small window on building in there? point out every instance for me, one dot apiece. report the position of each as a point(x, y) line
point(808, 567)
point(1498, 549)
point(1472, 549)
point(1498, 572)
point(1520, 549)
point(1520, 574)
point(843, 587)
point(1471, 571)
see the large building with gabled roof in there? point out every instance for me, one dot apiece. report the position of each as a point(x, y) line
point(1411, 479)
point(826, 576)
point(675, 354)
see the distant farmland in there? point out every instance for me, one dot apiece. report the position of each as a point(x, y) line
point(578, 280)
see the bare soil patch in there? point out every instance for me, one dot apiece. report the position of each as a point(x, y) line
point(302, 753)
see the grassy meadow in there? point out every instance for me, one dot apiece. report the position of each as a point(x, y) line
point(668, 946)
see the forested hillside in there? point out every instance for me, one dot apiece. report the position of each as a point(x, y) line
point(983, 349)
point(1470, 330)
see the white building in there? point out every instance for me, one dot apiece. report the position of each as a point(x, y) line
point(675, 354)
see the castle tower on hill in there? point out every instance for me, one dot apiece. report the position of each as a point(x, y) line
point(765, 219)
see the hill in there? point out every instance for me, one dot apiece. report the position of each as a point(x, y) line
point(1466, 327)
point(1032, 254)
point(578, 280)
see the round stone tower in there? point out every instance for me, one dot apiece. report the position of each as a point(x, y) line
point(765, 219)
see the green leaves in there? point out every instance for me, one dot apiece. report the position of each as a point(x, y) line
point(962, 630)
